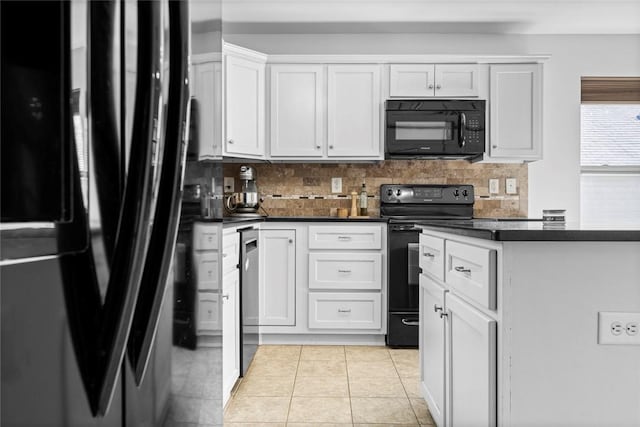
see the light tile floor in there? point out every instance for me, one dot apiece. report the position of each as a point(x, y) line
point(329, 386)
point(196, 388)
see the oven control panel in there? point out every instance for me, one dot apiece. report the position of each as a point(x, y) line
point(426, 194)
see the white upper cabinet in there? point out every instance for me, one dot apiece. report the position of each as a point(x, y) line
point(244, 106)
point(515, 112)
point(296, 110)
point(206, 83)
point(433, 80)
point(353, 111)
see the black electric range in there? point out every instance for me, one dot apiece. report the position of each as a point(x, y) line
point(405, 205)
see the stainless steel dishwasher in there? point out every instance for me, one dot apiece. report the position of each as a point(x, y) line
point(249, 275)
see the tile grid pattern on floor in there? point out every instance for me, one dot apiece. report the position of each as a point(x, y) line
point(329, 385)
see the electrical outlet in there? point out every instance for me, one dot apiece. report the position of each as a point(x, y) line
point(511, 186)
point(618, 328)
point(229, 184)
point(336, 185)
point(494, 186)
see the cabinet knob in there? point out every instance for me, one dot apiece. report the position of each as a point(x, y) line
point(494, 146)
point(230, 141)
point(430, 86)
point(290, 240)
point(437, 308)
point(331, 147)
point(443, 314)
point(317, 147)
point(438, 87)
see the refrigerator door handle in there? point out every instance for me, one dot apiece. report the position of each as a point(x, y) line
point(167, 213)
point(132, 239)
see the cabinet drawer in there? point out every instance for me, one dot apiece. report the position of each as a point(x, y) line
point(205, 237)
point(208, 311)
point(345, 270)
point(345, 237)
point(206, 268)
point(230, 252)
point(471, 270)
point(431, 255)
point(345, 310)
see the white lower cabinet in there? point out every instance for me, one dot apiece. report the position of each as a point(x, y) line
point(230, 332)
point(277, 287)
point(458, 340)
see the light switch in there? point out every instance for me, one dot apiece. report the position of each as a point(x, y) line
point(336, 185)
point(494, 186)
point(511, 186)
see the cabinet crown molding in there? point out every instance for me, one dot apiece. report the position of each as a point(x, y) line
point(406, 59)
point(243, 52)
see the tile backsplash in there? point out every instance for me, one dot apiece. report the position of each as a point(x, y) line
point(304, 189)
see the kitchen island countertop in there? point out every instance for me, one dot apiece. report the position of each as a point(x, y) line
point(533, 230)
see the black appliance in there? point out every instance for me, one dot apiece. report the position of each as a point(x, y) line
point(404, 205)
point(249, 279)
point(93, 112)
point(435, 128)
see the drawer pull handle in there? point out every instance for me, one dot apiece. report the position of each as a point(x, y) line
point(429, 254)
point(443, 314)
point(344, 237)
point(344, 271)
point(225, 296)
point(462, 270)
point(437, 308)
point(342, 310)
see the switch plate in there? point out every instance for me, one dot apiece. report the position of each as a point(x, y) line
point(618, 328)
point(336, 185)
point(229, 184)
point(494, 186)
point(511, 186)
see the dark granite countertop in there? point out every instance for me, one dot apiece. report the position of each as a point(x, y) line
point(533, 230)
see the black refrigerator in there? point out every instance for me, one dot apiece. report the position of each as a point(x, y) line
point(94, 106)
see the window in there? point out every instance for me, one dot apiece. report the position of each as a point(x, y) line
point(610, 151)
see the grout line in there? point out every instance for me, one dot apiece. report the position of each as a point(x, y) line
point(295, 379)
point(346, 367)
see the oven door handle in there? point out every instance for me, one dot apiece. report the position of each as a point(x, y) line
point(410, 322)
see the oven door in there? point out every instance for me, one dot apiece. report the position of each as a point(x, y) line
point(411, 133)
point(402, 322)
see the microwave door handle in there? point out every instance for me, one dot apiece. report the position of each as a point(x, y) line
point(463, 126)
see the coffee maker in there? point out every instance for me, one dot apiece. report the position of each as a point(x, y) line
point(247, 202)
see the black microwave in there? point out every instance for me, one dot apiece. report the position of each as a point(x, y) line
point(435, 128)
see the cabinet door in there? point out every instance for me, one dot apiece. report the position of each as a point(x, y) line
point(207, 83)
point(456, 80)
point(277, 278)
point(244, 107)
point(230, 333)
point(515, 111)
point(296, 113)
point(411, 80)
point(353, 110)
point(472, 365)
point(432, 347)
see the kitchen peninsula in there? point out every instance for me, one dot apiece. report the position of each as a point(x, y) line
point(519, 323)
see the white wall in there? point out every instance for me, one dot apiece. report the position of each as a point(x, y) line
point(553, 182)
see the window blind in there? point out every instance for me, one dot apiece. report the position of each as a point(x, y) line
point(605, 90)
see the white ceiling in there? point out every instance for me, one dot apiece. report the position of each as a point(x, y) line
point(428, 16)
